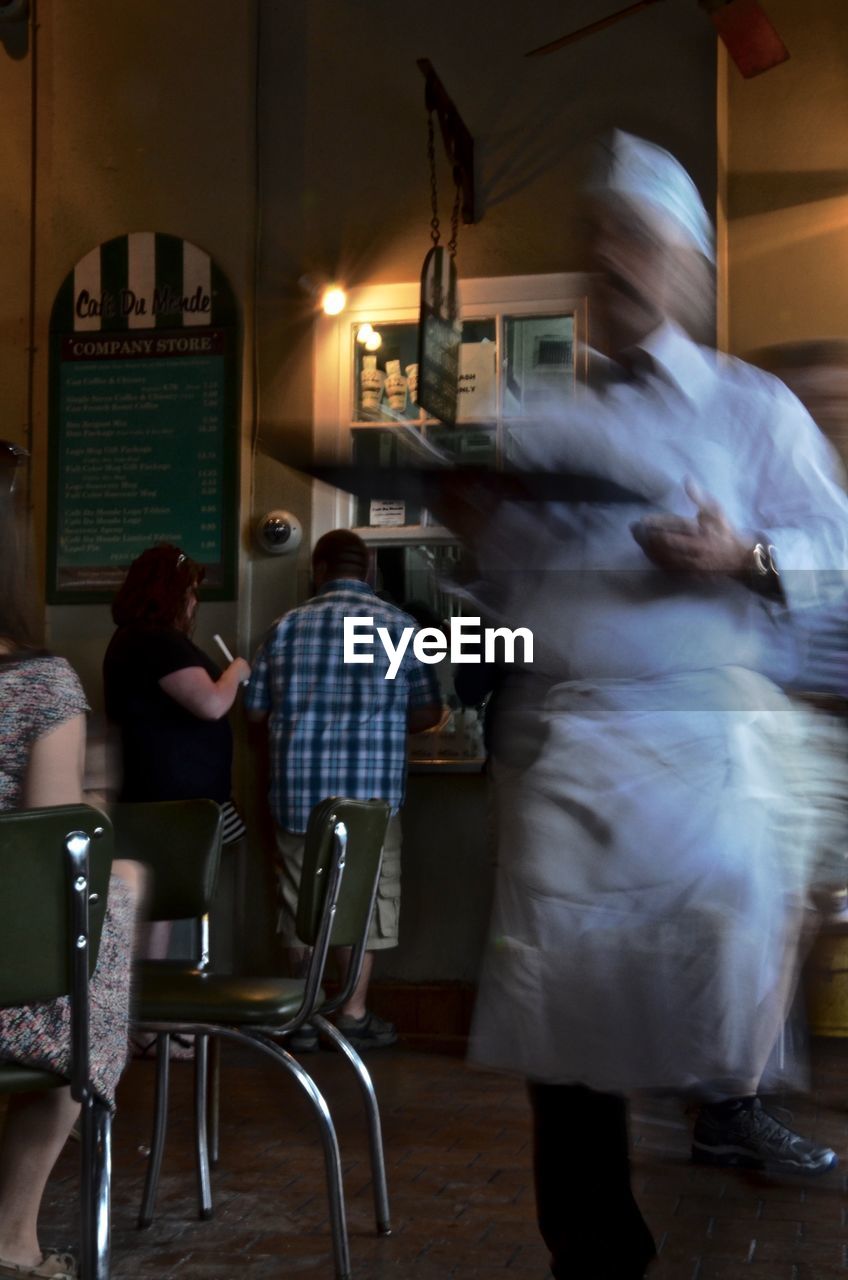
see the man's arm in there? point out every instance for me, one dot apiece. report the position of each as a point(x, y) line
point(796, 549)
point(424, 709)
point(419, 719)
point(705, 544)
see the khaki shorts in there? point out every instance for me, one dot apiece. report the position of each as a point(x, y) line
point(288, 864)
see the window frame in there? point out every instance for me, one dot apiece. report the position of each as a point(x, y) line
point(334, 353)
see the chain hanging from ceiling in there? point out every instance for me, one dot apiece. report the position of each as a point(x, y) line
point(435, 225)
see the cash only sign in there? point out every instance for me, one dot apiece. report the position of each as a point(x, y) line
point(439, 337)
point(143, 415)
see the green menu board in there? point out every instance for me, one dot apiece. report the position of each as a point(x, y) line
point(144, 427)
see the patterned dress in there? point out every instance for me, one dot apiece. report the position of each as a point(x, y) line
point(37, 694)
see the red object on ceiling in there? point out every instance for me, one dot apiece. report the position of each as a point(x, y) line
point(749, 36)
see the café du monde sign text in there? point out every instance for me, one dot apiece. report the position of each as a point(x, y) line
point(143, 415)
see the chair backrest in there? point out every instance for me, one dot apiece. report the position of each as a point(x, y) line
point(44, 909)
point(365, 823)
point(180, 840)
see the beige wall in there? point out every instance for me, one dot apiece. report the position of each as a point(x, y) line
point(144, 118)
point(787, 185)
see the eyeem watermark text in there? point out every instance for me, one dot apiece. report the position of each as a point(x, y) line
point(469, 642)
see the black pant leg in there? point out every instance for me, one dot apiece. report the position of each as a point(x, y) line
point(586, 1211)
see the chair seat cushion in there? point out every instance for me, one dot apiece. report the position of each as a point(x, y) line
point(185, 995)
point(16, 1079)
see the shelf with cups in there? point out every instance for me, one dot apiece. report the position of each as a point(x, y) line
point(522, 343)
point(389, 428)
point(385, 374)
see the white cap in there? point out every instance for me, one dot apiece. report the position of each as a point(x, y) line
point(649, 177)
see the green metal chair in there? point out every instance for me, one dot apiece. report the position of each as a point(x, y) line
point(54, 881)
point(180, 841)
point(344, 842)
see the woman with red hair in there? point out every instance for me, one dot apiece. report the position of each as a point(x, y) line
point(168, 698)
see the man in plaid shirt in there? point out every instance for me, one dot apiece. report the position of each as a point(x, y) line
point(338, 728)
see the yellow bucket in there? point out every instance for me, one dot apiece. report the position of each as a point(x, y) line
point(826, 985)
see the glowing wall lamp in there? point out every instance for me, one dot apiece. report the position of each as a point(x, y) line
point(329, 296)
point(333, 300)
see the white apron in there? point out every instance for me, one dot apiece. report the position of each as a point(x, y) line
point(647, 908)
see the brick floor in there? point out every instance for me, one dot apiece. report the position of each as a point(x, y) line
point(457, 1146)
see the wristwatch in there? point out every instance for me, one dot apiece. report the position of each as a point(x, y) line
point(762, 575)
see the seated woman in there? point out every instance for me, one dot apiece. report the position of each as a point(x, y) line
point(42, 742)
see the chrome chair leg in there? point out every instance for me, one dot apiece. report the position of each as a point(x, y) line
point(329, 1143)
point(96, 1184)
point(372, 1113)
point(213, 1110)
point(102, 1186)
point(88, 1228)
point(160, 1125)
point(326, 1129)
point(201, 1087)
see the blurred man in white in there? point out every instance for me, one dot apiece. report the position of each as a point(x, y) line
point(649, 896)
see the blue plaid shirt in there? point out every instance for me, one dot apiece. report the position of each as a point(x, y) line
point(335, 728)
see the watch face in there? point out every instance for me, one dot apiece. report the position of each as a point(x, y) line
point(761, 559)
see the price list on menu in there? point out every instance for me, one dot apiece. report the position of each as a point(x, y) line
point(142, 452)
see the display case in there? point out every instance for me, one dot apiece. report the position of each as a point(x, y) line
point(509, 366)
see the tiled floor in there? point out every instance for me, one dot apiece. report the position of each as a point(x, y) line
point(458, 1156)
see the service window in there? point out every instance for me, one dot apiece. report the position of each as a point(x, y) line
point(521, 344)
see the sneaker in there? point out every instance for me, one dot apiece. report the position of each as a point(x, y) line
point(748, 1136)
point(304, 1040)
point(367, 1032)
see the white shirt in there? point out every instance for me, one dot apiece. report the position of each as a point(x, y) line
point(576, 577)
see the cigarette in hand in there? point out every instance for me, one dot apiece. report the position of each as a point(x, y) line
point(219, 642)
